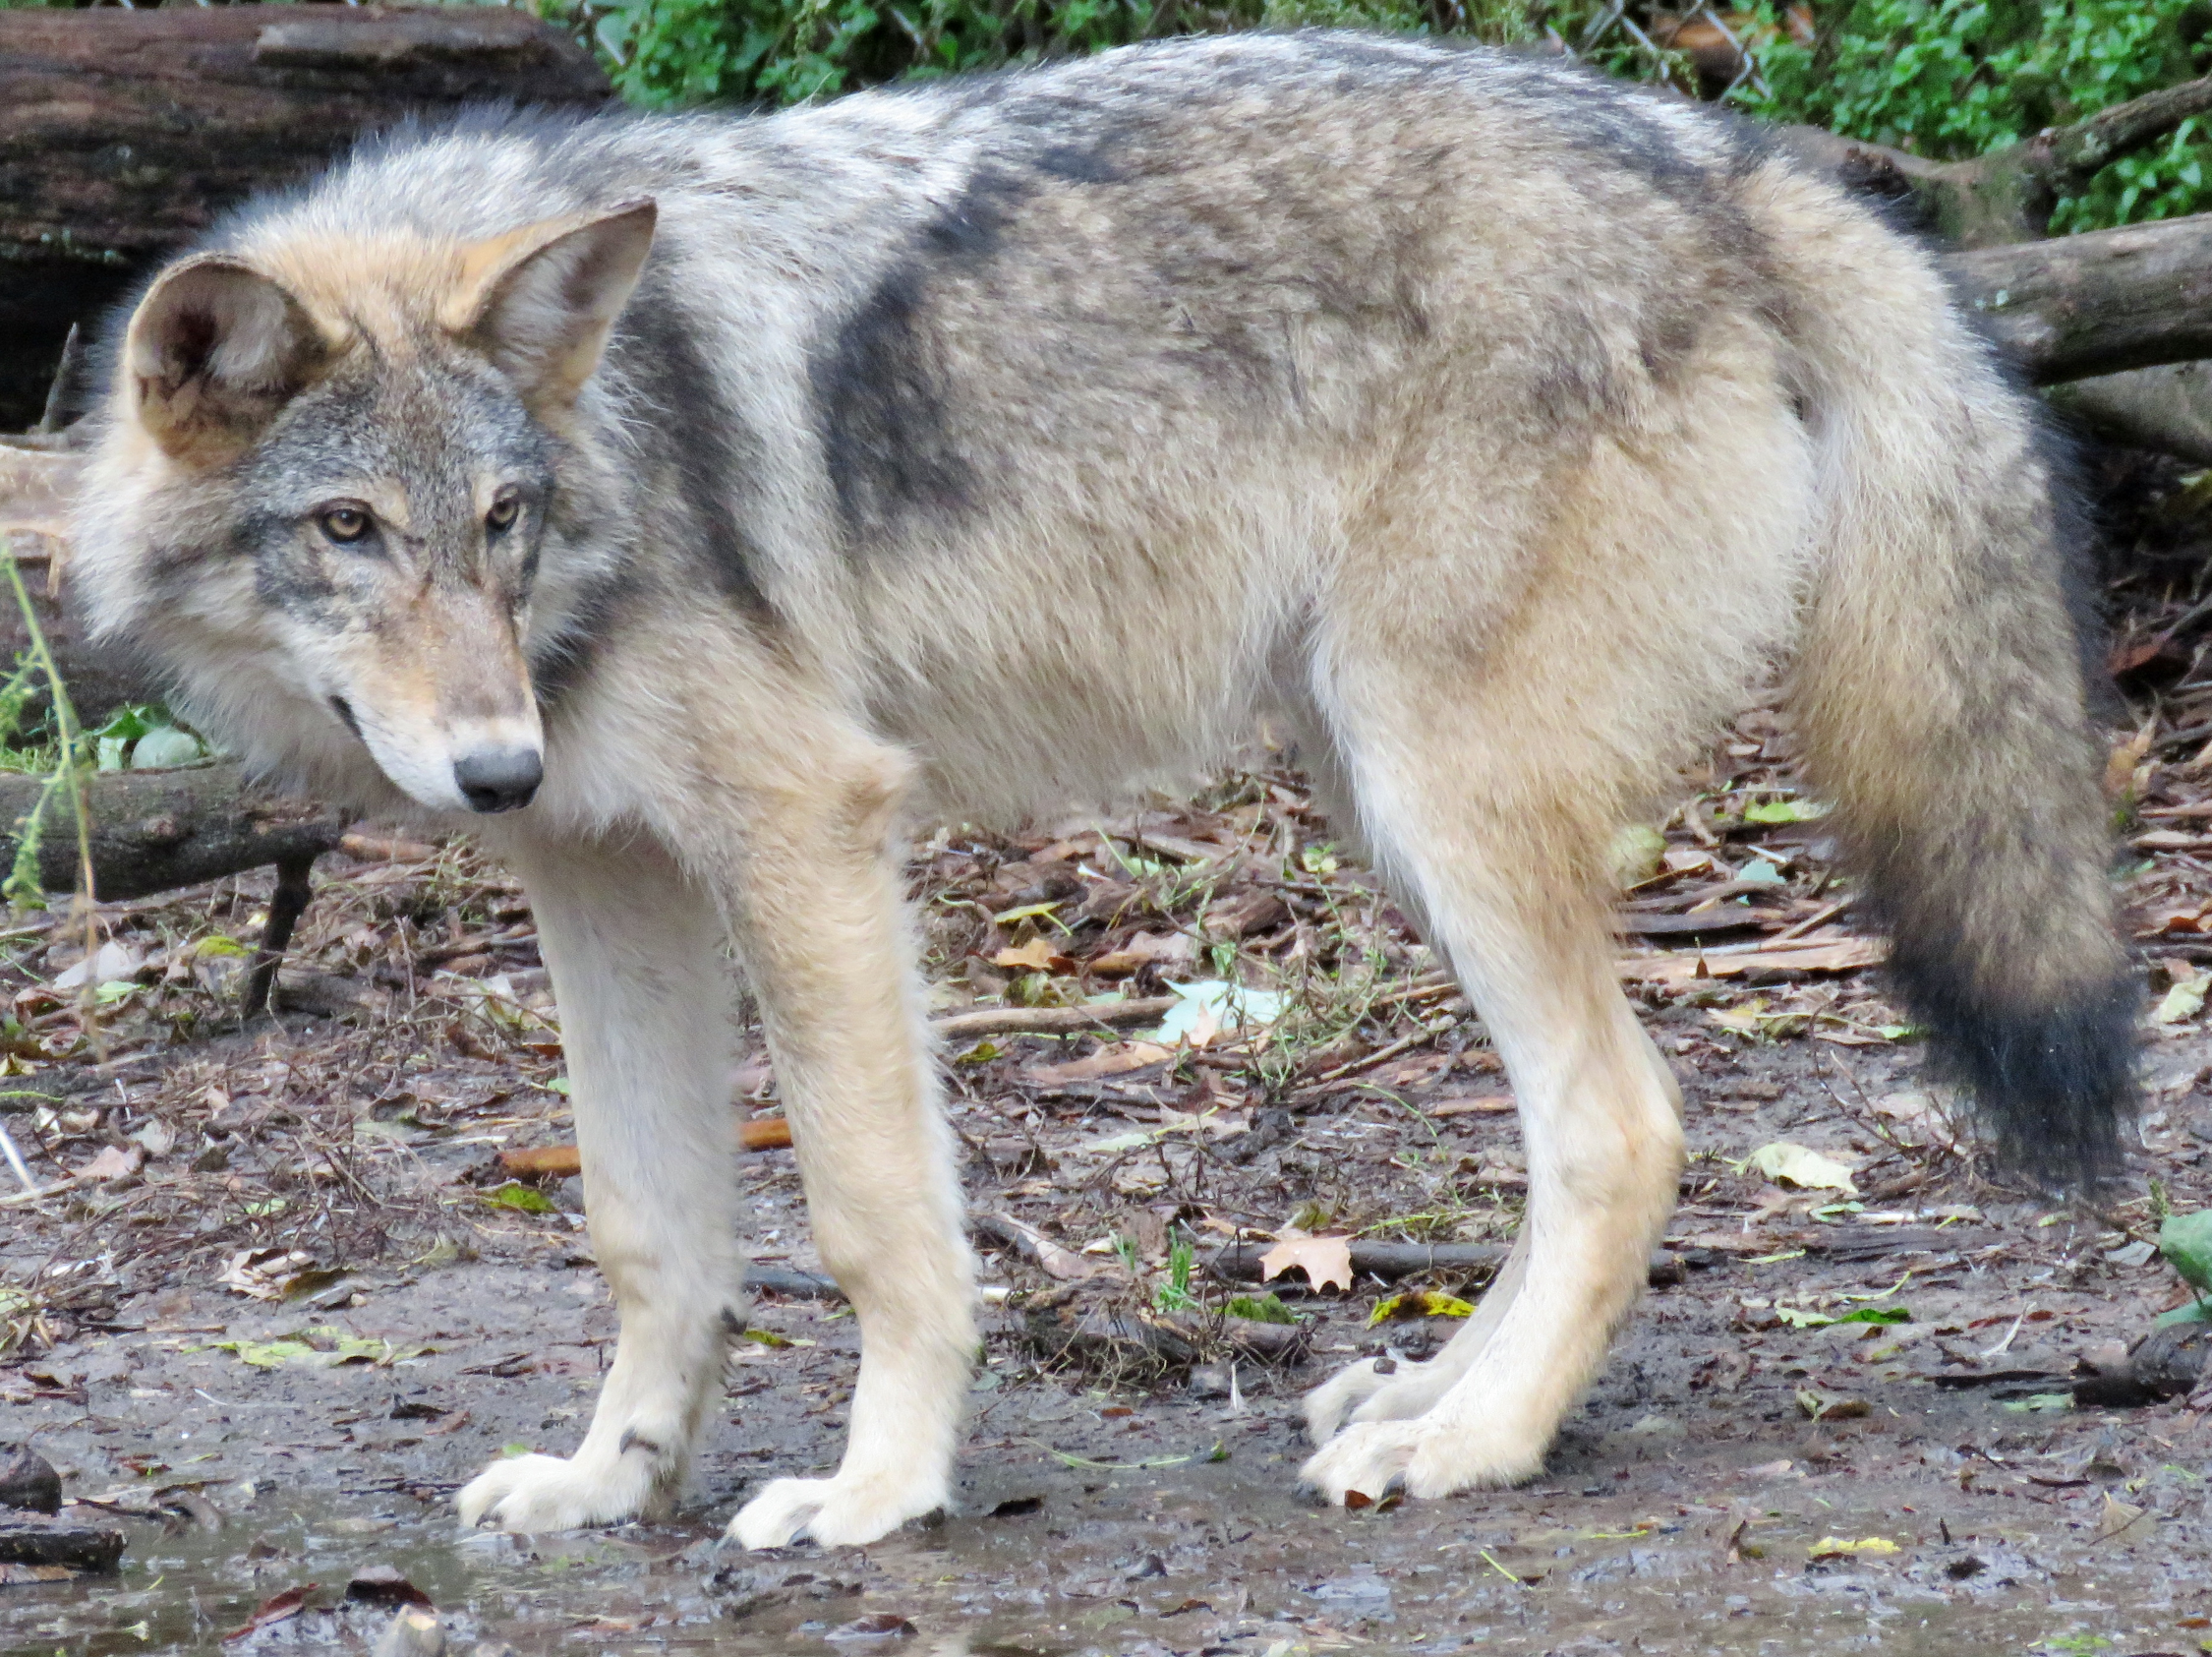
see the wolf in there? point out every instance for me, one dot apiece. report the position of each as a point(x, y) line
point(693, 507)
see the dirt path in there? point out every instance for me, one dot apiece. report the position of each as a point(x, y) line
point(1750, 1476)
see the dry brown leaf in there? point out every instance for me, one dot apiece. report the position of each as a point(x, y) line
point(1166, 951)
point(115, 1161)
point(1116, 1060)
point(263, 1274)
point(1920, 1115)
point(2117, 1517)
point(1325, 1261)
point(1036, 956)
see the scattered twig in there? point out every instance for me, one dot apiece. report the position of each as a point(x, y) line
point(1052, 1021)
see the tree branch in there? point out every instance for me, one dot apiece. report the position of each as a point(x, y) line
point(2007, 195)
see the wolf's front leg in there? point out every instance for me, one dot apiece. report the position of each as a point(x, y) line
point(635, 953)
point(823, 932)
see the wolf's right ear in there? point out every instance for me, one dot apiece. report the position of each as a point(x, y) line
point(212, 353)
point(540, 301)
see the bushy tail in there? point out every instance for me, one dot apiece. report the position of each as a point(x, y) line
point(1940, 693)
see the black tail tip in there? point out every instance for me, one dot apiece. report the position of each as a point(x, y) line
point(2053, 1086)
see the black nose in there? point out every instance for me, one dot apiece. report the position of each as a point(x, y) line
point(498, 779)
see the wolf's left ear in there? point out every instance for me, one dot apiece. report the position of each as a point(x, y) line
point(540, 301)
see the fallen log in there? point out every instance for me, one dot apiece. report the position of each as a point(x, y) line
point(34, 1539)
point(124, 133)
point(2097, 303)
point(2168, 410)
point(153, 831)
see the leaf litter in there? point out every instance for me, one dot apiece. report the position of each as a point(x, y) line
point(1344, 1091)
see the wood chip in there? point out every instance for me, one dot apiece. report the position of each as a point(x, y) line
point(559, 1162)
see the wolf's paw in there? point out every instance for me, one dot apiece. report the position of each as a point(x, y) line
point(1369, 1460)
point(534, 1493)
point(1422, 1456)
point(838, 1512)
point(1357, 1392)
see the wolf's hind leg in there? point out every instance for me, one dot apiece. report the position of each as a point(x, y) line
point(824, 935)
point(1462, 809)
point(645, 1003)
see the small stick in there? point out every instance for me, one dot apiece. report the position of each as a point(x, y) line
point(1405, 1045)
point(285, 907)
point(1053, 1020)
point(57, 393)
point(1820, 918)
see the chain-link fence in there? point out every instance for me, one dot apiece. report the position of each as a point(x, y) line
point(1703, 50)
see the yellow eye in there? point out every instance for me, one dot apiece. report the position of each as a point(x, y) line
point(504, 512)
point(344, 524)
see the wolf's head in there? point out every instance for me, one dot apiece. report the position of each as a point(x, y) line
point(334, 461)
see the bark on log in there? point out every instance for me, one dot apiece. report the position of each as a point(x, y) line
point(2098, 303)
point(124, 133)
point(153, 831)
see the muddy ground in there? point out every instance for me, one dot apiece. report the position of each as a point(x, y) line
point(277, 1295)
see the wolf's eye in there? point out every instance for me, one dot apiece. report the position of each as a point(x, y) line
point(344, 524)
point(504, 512)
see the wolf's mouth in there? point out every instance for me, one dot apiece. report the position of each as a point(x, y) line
point(345, 710)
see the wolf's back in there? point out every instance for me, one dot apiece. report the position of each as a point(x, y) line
point(1941, 691)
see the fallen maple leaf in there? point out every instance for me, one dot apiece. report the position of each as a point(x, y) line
point(1325, 1261)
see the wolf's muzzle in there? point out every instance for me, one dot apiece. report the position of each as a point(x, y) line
point(503, 779)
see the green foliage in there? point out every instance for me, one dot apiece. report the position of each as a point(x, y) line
point(671, 53)
point(1265, 1308)
point(1954, 79)
point(22, 885)
point(1944, 78)
point(1175, 1295)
